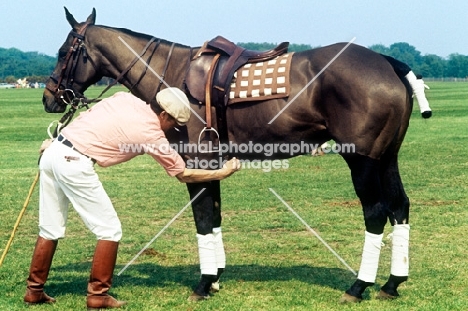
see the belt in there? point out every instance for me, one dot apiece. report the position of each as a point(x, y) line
point(69, 144)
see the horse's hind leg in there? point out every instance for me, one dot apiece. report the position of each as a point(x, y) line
point(366, 179)
point(207, 215)
point(399, 219)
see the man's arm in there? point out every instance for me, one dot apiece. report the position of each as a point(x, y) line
point(199, 175)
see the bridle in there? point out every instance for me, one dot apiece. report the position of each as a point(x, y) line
point(63, 91)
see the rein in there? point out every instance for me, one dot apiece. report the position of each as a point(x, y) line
point(161, 79)
point(123, 73)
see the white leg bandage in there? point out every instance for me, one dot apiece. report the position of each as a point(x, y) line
point(207, 254)
point(400, 250)
point(418, 91)
point(370, 257)
point(219, 248)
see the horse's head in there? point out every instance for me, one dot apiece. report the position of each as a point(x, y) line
point(74, 65)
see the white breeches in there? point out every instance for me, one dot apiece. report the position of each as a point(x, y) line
point(68, 176)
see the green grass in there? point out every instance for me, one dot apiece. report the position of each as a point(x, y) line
point(274, 263)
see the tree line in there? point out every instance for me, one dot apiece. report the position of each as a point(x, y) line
point(36, 67)
point(15, 64)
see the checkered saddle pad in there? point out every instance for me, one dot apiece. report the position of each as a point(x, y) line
point(261, 81)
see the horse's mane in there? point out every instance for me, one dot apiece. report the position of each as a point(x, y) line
point(138, 34)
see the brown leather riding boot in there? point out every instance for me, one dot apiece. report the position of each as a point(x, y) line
point(39, 271)
point(100, 279)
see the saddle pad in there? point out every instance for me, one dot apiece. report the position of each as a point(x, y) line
point(261, 81)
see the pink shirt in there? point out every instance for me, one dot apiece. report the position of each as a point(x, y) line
point(118, 129)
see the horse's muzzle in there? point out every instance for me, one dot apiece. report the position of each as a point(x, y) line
point(51, 105)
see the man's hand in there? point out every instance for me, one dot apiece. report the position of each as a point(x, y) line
point(231, 166)
point(199, 175)
point(45, 144)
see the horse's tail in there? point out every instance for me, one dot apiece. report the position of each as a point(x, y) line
point(401, 69)
point(413, 83)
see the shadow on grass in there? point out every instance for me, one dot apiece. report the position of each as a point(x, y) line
point(72, 278)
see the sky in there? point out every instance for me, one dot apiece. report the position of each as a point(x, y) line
point(431, 26)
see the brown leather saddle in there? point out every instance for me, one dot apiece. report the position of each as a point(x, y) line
point(209, 78)
point(213, 67)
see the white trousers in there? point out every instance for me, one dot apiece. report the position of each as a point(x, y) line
point(67, 176)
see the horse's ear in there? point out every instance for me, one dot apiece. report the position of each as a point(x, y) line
point(91, 18)
point(71, 20)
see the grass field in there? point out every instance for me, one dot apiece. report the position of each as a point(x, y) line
point(274, 263)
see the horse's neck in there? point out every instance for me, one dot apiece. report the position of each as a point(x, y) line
point(158, 62)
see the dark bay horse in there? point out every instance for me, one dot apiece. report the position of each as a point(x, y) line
point(359, 100)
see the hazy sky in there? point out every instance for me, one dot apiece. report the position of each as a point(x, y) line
point(431, 26)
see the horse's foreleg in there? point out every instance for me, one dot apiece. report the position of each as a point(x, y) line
point(206, 220)
point(366, 180)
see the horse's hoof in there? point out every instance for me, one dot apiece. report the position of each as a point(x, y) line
point(426, 114)
point(385, 296)
point(214, 287)
point(195, 297)
point(347, 298)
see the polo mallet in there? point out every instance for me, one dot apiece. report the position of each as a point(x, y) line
point(26, 202)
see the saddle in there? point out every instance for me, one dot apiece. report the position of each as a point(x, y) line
point(211, 70)
point(208, 79)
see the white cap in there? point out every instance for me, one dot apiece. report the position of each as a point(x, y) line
point(175, 102)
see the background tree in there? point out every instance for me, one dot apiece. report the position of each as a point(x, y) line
point(432, 66)
point(380, 48)
point(18, 64)
point(406, 53)
point(457, 66)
